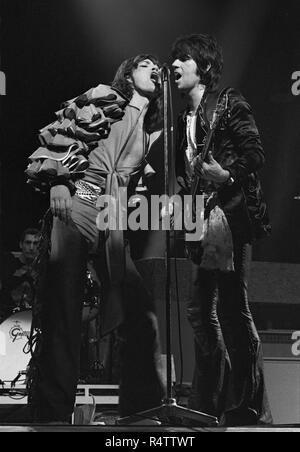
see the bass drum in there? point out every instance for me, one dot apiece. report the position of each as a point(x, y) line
point(14, 335)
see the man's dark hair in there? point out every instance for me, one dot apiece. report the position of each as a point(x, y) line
point(29, 231)
point(153, 119)
point(206, 52)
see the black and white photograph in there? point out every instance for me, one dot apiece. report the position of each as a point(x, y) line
point(149, 218)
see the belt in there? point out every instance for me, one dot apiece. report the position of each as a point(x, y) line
point(87, 191)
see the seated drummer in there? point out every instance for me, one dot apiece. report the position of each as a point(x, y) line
point(17, 277)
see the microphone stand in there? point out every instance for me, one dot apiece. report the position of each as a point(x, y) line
point(169, 411)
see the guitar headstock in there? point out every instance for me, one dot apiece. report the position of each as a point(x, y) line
point(219, 111)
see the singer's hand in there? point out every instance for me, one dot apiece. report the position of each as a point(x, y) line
point(61, 203)
point(211, 170)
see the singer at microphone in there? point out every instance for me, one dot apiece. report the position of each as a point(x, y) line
point(228, 370)
point(132, 108)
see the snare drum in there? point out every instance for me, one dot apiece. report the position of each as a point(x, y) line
point(14, 335)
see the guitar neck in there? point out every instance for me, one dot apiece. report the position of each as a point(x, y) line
point(202, 157)
point(220, 110)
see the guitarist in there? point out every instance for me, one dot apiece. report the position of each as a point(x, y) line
point(218, 154)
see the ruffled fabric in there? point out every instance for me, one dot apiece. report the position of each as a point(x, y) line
point(67, 142)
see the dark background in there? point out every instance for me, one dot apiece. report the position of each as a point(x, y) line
point(54, 50)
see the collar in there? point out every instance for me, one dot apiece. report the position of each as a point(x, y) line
point(208, 102)
point(23, 260)
point(139, 102)
point(201, 107)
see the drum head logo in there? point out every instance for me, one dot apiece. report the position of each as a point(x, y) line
point(17, 333)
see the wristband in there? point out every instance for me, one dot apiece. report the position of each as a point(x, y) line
point(61, 180)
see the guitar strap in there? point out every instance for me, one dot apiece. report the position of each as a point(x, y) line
point(222, 106)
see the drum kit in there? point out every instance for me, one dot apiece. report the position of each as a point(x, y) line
point(91, 367)
point(14, 358)
point(15, 332)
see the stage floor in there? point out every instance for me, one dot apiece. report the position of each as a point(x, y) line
point(115, 430)
point(17, 419)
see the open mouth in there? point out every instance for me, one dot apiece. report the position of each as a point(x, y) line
point(155, 78)
point(178, 76)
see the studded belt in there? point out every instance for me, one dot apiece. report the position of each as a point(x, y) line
point(87, 191)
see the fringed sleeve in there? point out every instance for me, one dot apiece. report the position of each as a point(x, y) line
point(67, 142)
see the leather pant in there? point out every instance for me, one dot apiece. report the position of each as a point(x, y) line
point(228, 371)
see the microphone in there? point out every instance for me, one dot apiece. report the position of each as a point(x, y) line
point(161, 76)
point(164, 72)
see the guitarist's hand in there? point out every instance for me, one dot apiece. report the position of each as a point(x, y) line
point(211, 170)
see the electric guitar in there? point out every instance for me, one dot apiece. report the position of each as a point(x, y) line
point(198, 207)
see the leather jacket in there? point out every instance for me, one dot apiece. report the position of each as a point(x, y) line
point(237, 147)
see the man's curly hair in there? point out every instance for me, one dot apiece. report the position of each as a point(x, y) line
point(206, 52)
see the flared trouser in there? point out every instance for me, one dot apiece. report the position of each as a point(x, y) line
point(61, 294)
point(228, 371)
